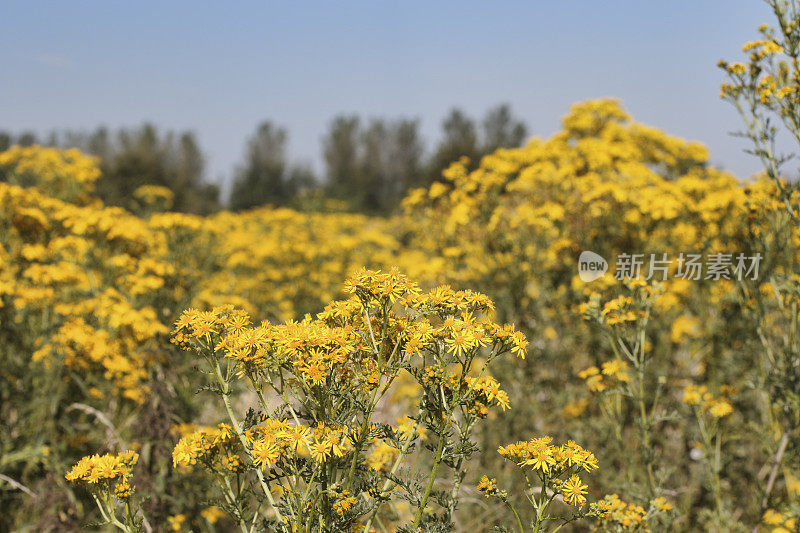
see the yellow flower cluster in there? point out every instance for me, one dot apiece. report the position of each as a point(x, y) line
point(271, 442)
point(212, 514)
point(64, 174)
point(617, 311)
point(336, 348)
point(214, 447)
point(329, 441)
point(343, 501)
point(553, 460)
point(763, 46)
point(782, 522)
point(485, 390)
point(284, 264)
point(102, 472)
point(609, 377)
point(532, 209)
point(176, 521)
point(684, 327)
point(383, 454)
point(155, 196)
point(771, 73)
point(81, 283)
point(612, 510)
point(716, 406)
point(331, 371)
point(557, 469)
point(617, 515)
point(489, 487)
point(114, 279)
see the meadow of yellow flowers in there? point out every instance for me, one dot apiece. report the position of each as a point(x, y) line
point(446, 369)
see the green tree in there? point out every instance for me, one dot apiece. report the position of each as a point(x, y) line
point(372, 179)
point(405, 159)
point(140, 156)
point(501, 129)
point(371, 168)
point(266, 177)
point(341, 155)
point(8, 139)
point(461, 138)
point(143, 156)
point(5, 141)
point(26, 138)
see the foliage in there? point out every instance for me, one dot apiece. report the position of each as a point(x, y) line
point(766, 92)
point(265, 176)
point(316, 459)
point(378, 404)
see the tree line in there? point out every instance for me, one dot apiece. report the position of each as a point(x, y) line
point(368, 164)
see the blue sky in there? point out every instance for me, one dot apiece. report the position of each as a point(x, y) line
point(220, 68)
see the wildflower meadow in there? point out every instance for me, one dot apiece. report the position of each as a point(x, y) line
point(458, 365)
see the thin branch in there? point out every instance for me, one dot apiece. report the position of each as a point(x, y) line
point(112, 431)
point(17, 485)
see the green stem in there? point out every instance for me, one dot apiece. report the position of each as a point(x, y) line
point(109, 516)
point(129, 515)
point(516, 516)
point(398, 461)
point(225, 388)
point(645, 422)
point(432, 477)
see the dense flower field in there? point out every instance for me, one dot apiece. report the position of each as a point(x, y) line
point(444, 369)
